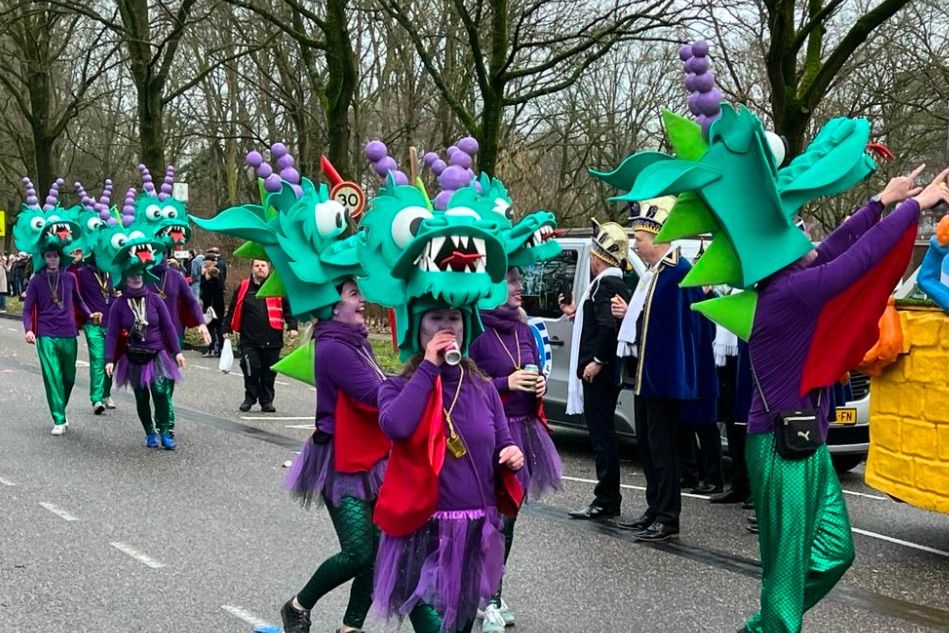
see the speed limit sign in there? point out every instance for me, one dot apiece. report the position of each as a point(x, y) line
point(351, 196)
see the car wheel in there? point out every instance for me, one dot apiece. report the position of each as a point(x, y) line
point(843, 463)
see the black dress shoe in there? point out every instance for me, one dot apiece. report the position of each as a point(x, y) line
point(730, 496)
point(294, 620)
point(595, 511)
point(748, 504)
point(245, 406)
point(752, 525)
point(657, 532)
point(267, 408)
point(706, 489)
point(638, 525)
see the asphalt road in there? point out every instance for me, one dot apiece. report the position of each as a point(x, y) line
point(99, 534)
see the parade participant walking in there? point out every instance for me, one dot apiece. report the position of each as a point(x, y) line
point(149, 358)
point(507, 353)
point(593, 387)
point(659, 336)
point(260, 322)
point(343, 461)
point(442, 551)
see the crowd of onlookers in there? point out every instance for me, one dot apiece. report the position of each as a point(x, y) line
point(15, 272)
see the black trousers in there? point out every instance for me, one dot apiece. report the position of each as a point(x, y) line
point(736, 448)
point(599, 409)
point(734, 430)
point(656, 422)
point(258, 376)
point(700, 461)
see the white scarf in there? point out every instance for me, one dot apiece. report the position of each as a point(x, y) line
point(626, 341)
point(726, 344)
point(574, 384)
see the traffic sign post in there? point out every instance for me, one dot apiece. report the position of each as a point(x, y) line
point(351, 196)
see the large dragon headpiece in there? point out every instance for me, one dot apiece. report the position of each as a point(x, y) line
point(91, 216)
point(41, 229)
point(298, 228)
point(157, 209)
point(730, 185)
point(126, 246)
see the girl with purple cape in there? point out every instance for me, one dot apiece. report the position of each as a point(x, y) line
point(504, 351)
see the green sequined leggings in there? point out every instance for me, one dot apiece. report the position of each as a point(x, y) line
point(804, 538)
point(425, 619)
point(358, 539)
point(159, 392)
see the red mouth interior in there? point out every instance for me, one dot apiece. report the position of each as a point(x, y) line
point(459, 261)
point(63, 233)
point(177, 234)
point(144, 256)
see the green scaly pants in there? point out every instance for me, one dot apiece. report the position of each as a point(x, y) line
point(100, 385)
point(804, 533)
point(425, 619)
point(160, 392)
point(358, 539)
point(58, 366)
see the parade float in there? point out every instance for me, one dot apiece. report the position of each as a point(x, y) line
point(909, 422)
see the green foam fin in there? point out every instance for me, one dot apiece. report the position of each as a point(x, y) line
point(251, 250)
point(298, 364)
point(688, 217)
point(670, 177)
point(624, 176)
point(685, 136)
point(273, 287)
point(719, 265)
point(735, 313)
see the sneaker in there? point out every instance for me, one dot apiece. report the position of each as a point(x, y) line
point(267, 408)
point(294, 620)
point(58, 429)
point(658, 532)
point(245, 406)
point(151, 440)
point(98, 408)
point(168, 442)
point(506, 614)
point(110, 404)
point(493, 621)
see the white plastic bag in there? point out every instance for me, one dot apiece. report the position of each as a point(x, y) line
point(209, 315)
point(227, 357)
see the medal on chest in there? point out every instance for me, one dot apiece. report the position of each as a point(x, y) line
point(454, 443)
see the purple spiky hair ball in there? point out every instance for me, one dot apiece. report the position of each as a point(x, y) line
point(705, 100)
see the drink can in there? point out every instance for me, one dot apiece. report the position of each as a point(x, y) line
point(453, 354)
point(534, 369)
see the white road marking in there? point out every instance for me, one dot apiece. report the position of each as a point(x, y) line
point(643, 488)
point(12, 329)
point(62, 514)
point(298, 426)
point(245, 615)
point(144, 559)
point(6, 482)
point(81, 363)
point(280, 382)
point(277, 418)
point(890, 539)
point(865, 495)
point(199, 366)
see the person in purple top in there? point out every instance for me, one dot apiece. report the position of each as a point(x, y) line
point(503, 351)
point(50, 323)
point(95, 288)
point(143, 352)
point(334, 466)
point(175, 292)
point(805, 537)
point(442, 571)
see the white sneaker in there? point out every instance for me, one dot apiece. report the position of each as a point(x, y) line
point(110, 404)
point(98, 408)
point(506, 614)
point(58, 429)
point(493, 621)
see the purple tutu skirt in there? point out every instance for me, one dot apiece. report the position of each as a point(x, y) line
point(542, 466)
point(453, 563)
point(313, 477)
point(132, 375)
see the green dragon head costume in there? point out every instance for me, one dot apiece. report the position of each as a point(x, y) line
point(91, 216)
point(39, 230)
point(164, 216)
point(730, 185)
point(126, 246)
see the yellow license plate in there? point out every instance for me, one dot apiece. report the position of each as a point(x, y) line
point(846, 415)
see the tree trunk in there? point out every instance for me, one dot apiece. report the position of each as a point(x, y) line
point(151, 127)
point(340, 85)
point(490, 137)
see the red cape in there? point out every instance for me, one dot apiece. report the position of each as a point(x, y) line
point(359, 443)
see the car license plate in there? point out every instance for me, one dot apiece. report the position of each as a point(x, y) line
point(846, 415)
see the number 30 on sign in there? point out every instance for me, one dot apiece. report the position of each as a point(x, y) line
point(351, 196)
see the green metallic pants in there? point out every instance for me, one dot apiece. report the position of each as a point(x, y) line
point(160, 392)
point(804, 533)
point(58, 365)
point(100, 385)
point(425, 619)
point(358, 539)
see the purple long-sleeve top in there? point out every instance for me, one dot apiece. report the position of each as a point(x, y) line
point(174, 288)
point(505, 337)
point(53, 319)
point(160, 332)
point(791, 300)
point(91, 292)
point(344, 360)
point(465, 483)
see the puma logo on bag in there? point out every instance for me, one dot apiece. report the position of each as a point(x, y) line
point(805, 434)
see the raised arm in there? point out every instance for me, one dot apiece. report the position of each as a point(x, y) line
point(401, 411)
point(844, 236)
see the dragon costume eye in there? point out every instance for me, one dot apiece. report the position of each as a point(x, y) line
point(406, 224)
point(169, 212)
point(94, 223)
point(118, 240)
point(37, 224)
point(503, 207)
point(153, 212)
point(330, 218)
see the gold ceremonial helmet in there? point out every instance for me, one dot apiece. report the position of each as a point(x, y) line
point(611, 244)
point(650, 215)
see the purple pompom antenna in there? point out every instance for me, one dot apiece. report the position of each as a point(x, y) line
point(273, 181)
point(52, 198)
point(454, 173)
point(377, 153)
point(128, 209)
point(148, 186)
point(705, 100)
point(168, 184)
point(32, 200)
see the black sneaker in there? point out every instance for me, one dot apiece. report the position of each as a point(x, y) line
point(245, 406)
point(657, 532)
point(268, 408)
point(294, 620)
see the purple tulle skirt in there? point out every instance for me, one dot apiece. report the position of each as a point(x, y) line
point(542, 466)
point(313, 477)
point(453, 563)
point(131, 375)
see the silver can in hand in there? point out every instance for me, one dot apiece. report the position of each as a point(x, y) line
point(453, 354)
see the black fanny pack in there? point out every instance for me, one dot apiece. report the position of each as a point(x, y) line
point(140, 355)
point(796, 433)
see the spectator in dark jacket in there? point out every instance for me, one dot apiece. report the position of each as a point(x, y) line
point(212, 297)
